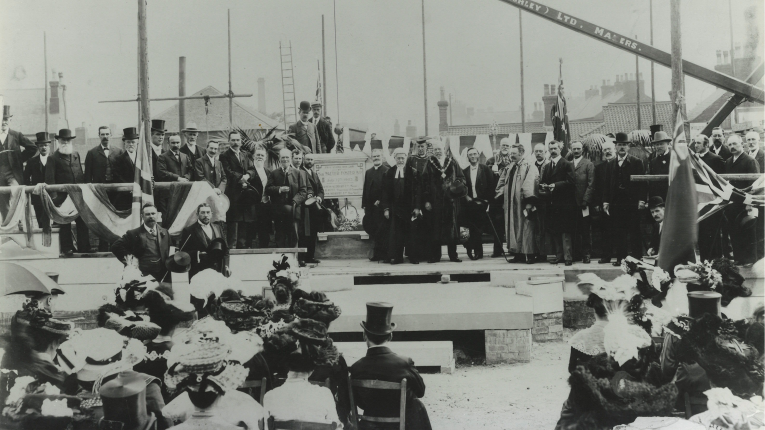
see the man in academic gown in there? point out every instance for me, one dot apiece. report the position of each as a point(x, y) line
point(479, 180)
point(238, 168)
point(556, 186)
point(400, 201)
point(19, 149)
point(624, 199)
point(496, 210)
point(287, 190)
point(417, 247)
point(382, 364)
point(442, 187)
point(371, 199)
point(34, 173)
point(197, 238)
point(517, 187)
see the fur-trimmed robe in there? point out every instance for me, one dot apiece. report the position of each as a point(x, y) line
point(523, 184)
point(444, 225)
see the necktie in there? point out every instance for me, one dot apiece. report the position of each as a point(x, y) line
point(214, 175)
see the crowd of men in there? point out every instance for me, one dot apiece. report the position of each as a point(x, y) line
point(556, 204)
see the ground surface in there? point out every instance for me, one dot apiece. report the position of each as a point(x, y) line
point(510, 396)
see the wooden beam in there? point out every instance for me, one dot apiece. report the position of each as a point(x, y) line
point(221, 96)
point(728, 176)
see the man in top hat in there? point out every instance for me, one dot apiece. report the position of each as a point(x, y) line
point(496, 210)
point(64, 167)
point(718, 144)
point(382, 364)
point(479, 180)
point(399, 203)
point(442, 187)
point(659, 164)
point(157, 138)
point(556, 187)
point(313, 220)
point(700, 145)
point(124, 167)
point(323, 128)
point(149, 243)
point(624, 199)
point(287, 190)
point(305, 131)
point(371, 202)
point(755, 150)
point(238, 168)
point(263, 224)
point(602, 183)
point(656, 207)
point(190, 148)
point(100, 168)
point(517, 187)
point(34, 173)
point(584, 184)
point(199, 237)
point(20, 149)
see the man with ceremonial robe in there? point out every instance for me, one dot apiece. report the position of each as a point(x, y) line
point(239, 218)
point(442, 187)
point(517, 186)
point(480, 184)
point(15, 149)
point(64, 167)
point(557, 185)
point(497, 212)
point(400, 201)
point(287, 190)
point(416, 248)
point(371, 200)
point(312, 213)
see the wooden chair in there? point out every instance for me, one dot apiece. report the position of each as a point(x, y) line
point(250, 386)
point(274, 424)
point(379, 385)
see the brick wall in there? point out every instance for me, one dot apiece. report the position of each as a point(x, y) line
point(547, 327)
point(576, 314)
point(508, 346)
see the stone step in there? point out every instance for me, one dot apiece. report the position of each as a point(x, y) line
point(424, 354)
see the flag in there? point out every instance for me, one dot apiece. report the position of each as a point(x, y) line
point(318, 85)
point(143, 191)
point(715, 192)
point(559, 114)
point(679, 231)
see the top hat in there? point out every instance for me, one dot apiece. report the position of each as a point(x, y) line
point(622, 137)
point(378, 319)
point(180, 262)
point(457, 190)
point(6, 111)
point(661, 136)
point(376, 144)
point(656, 127)
point(370, 227)
point(315, 104)
point(703, 302)
point(130, 133)
point(191, 126)
point(124, 400)
point(158, 125)
point(65, 134)
point(217, 248)
point(655, 201)
point(309, 330)
point(304, 106)
point(42, 137)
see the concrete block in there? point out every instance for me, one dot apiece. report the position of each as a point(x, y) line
point(516, 346)
point(547, 297)
point(507, 278)
point(329, 283)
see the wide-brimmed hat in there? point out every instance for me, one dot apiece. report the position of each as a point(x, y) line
point(6, 112)
point(237, 314)
point(316, 104)
point(107, 352)
point(655, 201)
point(191, 126)
point(622, 137)
point(309, 330)
point(42, 137)
point(305, 106)
point(378, 318)
point(130, 133)
point(661, 136)
point(40, 318)
point(65, 134)
point(180, 262)
point(164, 309)
point(126, 323)
point(158, 125)
point(217, 248)
point(318, 307)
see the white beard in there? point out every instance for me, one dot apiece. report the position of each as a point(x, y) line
point(66, 148)
point(259, 164)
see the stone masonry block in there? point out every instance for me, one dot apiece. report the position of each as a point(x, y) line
point(547, 297)
point(508, 346)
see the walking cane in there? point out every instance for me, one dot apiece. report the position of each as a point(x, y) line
point(495, 232)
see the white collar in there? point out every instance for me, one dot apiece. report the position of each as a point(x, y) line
point(150, 230)
point(736, 157)
point(304, 123)
point(753, 153)
point(377, 167)
point(556, 159)
point(204, 225)
point(212, 160)
point(704, 153)
point(44, 158)
point(578, 159)
point(472, 167)
point(260, 168)
point(442, 161)
point(620, 158)
point(191, 144)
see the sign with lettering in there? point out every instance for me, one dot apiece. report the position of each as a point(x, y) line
point(341, 180)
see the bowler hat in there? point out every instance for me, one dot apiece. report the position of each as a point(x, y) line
point(315, 104)
point(457, 190)
point(158, 125)
point(305, 106)
point(65, 134)
point(178, 262)
point(130, 133)
point(191, 126)
point(703, 302)
point(622, 137)
point(6, 111)
point(655, 202)
point(661, 136)
point(42, 137)
point(217, 248)
point(124, 400)
point(378, 319)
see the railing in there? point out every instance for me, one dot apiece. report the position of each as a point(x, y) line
point(127, 186)
point(728, 176)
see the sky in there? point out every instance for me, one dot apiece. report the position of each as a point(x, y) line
point(472, 51)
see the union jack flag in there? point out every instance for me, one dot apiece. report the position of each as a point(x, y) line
point(715, 192)
point(318, 85)
point(143, 191)
point(558, 113)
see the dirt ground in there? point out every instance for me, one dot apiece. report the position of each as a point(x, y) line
point(508, 396)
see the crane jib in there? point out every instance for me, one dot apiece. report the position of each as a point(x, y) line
point(627, 43)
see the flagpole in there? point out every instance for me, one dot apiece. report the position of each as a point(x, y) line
point(324, 69)
point(143, 77)
point(523, 103)
point(677, 59)
point(424, 68)
point(337, 79)
point(230, 91)
point(45, 58)
point(637, 85)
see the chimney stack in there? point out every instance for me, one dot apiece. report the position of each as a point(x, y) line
point(552, 89)
point(547, 89)
point(262, 96)
point(53, 102)
point(411, 130)
point(725, 57)
point(443, 105)
point(396, 129)
point(719, 57)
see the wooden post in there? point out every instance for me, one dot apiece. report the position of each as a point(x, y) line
point(45, 54)
point(653, 88)
point(181, 93)
point(732, 63)
point(637, 86)
point(523, 100)
point(230, 92)
point(337, 78)
point(677, 58)
point(143, 64)
point(424, 68)
point(323, 70)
